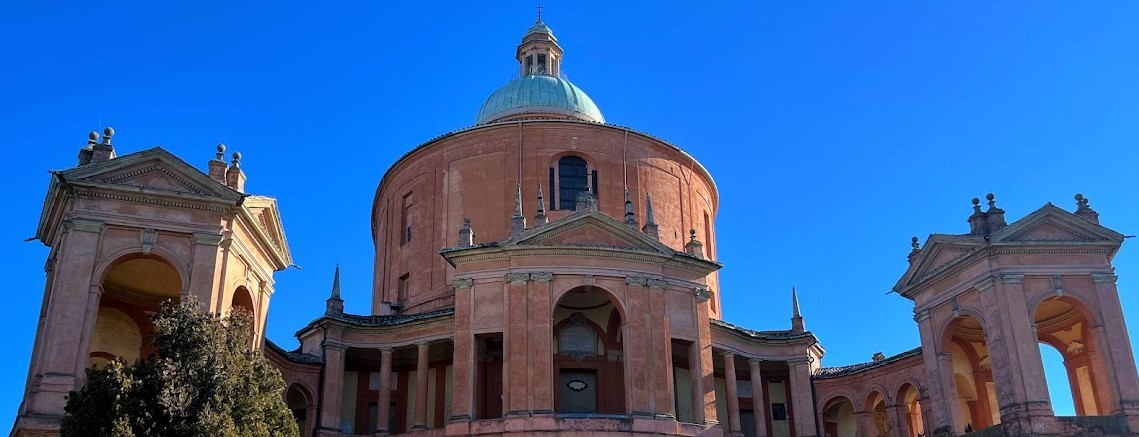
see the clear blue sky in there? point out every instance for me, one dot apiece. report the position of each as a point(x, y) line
point(835, 131)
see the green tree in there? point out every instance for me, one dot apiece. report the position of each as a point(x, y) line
point(202, 380)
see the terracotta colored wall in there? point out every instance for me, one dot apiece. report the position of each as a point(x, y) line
point(475, 174)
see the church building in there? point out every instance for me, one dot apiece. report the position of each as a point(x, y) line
point(545, 272)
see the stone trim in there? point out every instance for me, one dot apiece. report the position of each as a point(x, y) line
point(517, 277)
point(702, 293)
point(1012, 279)
point(542, 277)
point(1104, 278)
point(81, 225)
point(985, 284)
point(637, 280)
point(207, 239)
point(462, 283)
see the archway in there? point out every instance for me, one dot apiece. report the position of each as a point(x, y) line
point(588, 356)
point(838, 418)
point(879, 420)
point(964, 340)
point(300, 402)
point(1062, 324)
point(913, 422)
point(134, 287)
point(243, 301)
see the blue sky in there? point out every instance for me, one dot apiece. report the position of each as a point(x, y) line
point(835, 130)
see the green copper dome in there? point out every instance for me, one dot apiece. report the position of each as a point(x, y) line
point(539, 94)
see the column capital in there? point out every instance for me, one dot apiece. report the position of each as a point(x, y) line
point(637, 280)
point(658, 283)
point(206, 239)
point(985, 284)
point(800, 360)
point(1104, 278)
point(82, 225)
point(541, 276)
point(462, 283)
point(335, 346)
point(921, 316)
point(728, 354)
point(423, 344)
point(702, 293)
point(1012, 279)
point(515, 277)
point(754, 361)
point(385, 349)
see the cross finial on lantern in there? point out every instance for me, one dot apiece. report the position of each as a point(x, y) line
point(539, 12)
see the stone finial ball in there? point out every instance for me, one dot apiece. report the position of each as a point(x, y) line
point(109, 131)
point(915, 239)
point(236, 156)
point(976, 201)
point(93, 136)
point(1079, 197)
point(221, 148)
point(990, 197)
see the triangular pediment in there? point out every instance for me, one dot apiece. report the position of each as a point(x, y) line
point(153, 169)
point(1052, 224)
point(589, 228)
point(940, 251)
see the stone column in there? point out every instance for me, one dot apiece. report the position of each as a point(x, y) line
point(384, 401)
point(60, 355)
point(865, 422)
point(635, 339)
point(204, 278)
point(463, 358)
point(516, 361)
point(705, 371)
point(1116, 351)
point(897, 418)
point(541, 369)
point(949, 392)
point(333, 385)
point(1021, 349)
point(421, 388)
point(802, 400)
point(940, 421)
point(732, 393)
point(759, 408)
point(660, 349)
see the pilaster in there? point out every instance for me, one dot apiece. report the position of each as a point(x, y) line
point(463, 356)
point(660, 350)
point(333, 385)
point(637, 351)
point(802, 399)
point(1117, 355)
point(541, 368)
point(940, 421)
point(515, 385)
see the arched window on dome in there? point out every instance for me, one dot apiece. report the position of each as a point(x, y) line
point(572, 180)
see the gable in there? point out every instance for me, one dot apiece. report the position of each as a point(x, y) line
point(153, 169)
point(1050, 230)
point(589, 228)
point(153, 175)
point(586, 234)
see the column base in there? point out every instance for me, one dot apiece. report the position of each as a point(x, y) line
point(419, 427)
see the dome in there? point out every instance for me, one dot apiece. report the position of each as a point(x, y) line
point(539, 93)
point(540, 27)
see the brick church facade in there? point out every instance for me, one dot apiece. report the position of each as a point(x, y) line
point(544, 272)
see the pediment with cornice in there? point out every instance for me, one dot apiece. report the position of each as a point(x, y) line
point(153, 171)
point(1051, 224)
point(590, 228)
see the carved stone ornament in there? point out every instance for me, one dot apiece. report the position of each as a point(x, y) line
point(1076, 347)
point(517, 277)
point(985, 363)
point(148, 237)
point(541, 276)
point(702, 293)
point(658, 283)
point(462, 283)
point(637, 280)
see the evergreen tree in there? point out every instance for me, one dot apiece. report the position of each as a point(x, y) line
point(202, 380)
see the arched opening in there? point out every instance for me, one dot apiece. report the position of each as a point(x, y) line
point(588, 356)
point(133, 289)
point(976, 401)
point(243, 301)
point(1062, 325)
point(299, 402)
point(838, 418)
point(880, 422)
point(909, 401)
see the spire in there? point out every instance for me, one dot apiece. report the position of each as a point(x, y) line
point(334, 305)
point(630, 217)
point(518, 221)
point(650, 227)
point(796, 317)
point(540, 218)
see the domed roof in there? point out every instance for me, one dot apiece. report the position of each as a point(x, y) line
point(540, 27)
point(536, 94)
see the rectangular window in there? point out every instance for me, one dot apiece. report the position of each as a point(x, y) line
point(541, 62)
point(553, 192)
point(707, 236)
point(405, 220)
point(401, 291)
